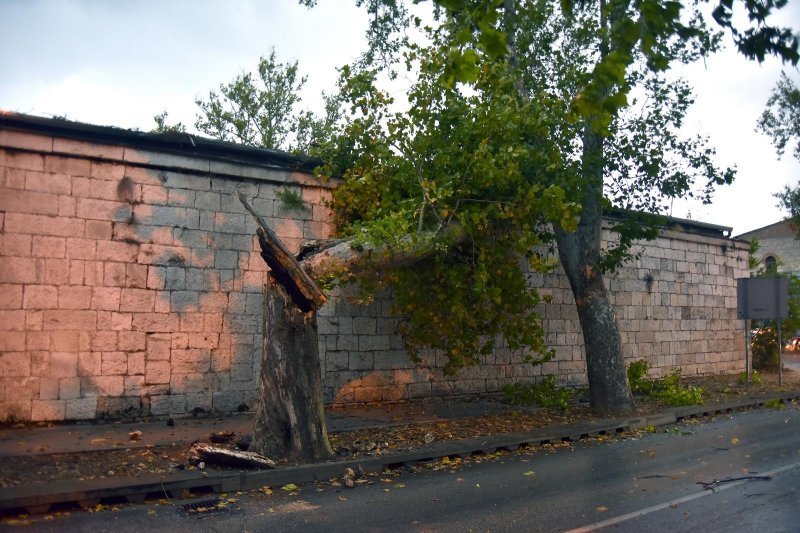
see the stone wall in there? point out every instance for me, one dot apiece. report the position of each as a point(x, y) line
point(131, 286)
point(675, 305)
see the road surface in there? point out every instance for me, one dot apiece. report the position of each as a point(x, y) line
point(650, 482)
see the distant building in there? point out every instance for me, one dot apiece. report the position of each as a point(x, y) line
point(778, 245)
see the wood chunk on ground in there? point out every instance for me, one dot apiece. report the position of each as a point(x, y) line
point(232, 458)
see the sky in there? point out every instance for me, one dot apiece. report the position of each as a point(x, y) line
point(119, 63)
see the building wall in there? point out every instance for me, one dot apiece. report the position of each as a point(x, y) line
point(779, 241)
point(785, 249)
point(131, 286)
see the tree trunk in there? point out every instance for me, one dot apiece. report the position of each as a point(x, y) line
point(580, 256)
point(609, 392)
point(290, 417)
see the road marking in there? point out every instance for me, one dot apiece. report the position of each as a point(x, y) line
point(665, 505)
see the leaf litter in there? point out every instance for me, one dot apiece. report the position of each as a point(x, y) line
point(128, 462)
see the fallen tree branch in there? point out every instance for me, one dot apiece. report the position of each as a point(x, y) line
point(300, 287)
point(343, 256)
point(325, 258)
point(231, 458)
point(713, 484)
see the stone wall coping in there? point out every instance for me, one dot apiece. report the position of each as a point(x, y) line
point(166, 151)
point(687, 236)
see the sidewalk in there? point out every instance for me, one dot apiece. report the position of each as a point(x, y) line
point(19, 443)
point(87, 437)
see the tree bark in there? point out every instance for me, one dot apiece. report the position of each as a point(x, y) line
point(232, 458)
point(290, 417)
point(580, 255)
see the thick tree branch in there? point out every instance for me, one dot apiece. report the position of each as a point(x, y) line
point(301, 288)
point(345, 257)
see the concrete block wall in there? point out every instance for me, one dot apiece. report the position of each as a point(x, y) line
point(130, 281)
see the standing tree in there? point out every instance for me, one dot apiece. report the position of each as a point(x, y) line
point(525, 125)
point(781, 121)
point(261, 109)
point(525, 118)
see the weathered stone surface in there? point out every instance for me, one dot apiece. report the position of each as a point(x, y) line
point(120, 407)
point(111, 295)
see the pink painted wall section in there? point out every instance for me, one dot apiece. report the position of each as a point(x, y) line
point(130, 281)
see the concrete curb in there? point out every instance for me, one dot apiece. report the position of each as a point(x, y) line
point(39, 498)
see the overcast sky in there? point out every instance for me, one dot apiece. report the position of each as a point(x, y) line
point(121, 62)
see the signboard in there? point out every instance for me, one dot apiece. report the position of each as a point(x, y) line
point(762, 298)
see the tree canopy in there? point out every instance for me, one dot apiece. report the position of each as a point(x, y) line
point(781, 122)
point(525, 124)
point(261, 108)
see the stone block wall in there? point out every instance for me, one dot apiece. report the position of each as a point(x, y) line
point(131, 286)
point(675, 306)
point(779, 241)
point(130, 281)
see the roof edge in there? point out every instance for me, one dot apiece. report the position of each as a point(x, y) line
point(174, 143)
point(745, 234)
point(683, 225)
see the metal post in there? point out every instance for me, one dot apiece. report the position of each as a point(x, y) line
point(747, 349)
point(780, 359)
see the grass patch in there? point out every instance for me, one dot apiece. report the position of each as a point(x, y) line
point(755, 378)
point(291, 200)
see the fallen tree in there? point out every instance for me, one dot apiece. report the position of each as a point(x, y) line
point(290, 417)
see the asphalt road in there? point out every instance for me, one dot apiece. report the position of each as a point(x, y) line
point(648, 483)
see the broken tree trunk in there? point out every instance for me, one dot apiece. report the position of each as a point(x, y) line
point(290, 420)
point(301, 288)
point(290, 416)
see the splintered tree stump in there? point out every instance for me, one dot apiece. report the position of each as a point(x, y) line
point(290, 417)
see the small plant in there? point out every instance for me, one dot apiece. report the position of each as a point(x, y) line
point(544, 393)
point(670, 390)
point(637, 377)
point(755, 378)
point(291, 200)
point(764, 348)
point(673, 393)
point(775, 404)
